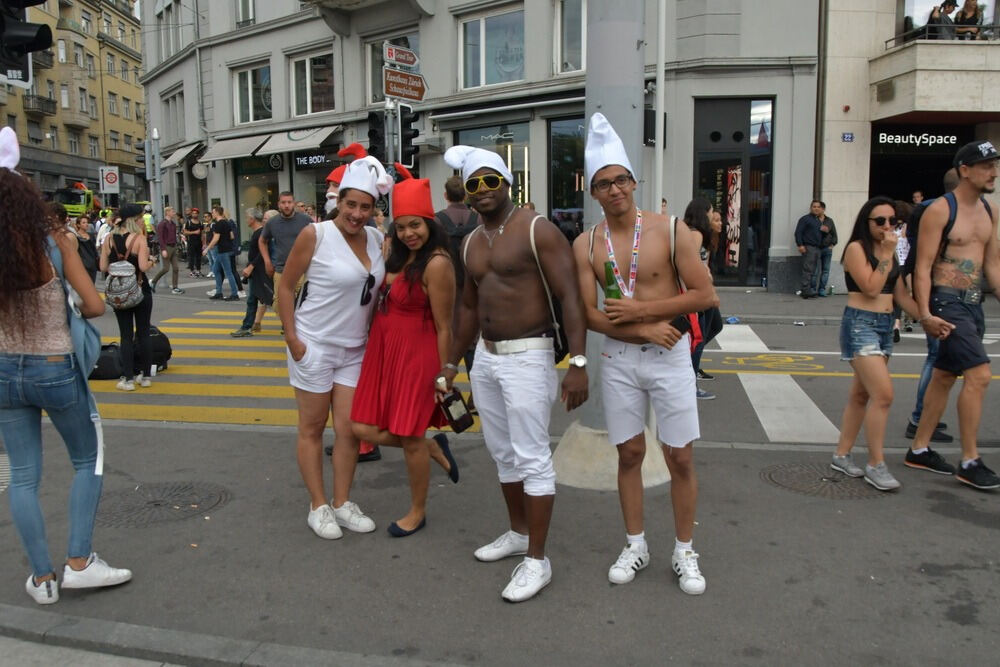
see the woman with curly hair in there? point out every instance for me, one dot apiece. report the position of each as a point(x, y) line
point(127, 241)
point(38, 371)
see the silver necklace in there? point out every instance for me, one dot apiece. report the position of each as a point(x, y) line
point(499, 230)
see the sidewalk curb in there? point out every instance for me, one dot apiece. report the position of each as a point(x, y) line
point(174, 646)
point(815, 320)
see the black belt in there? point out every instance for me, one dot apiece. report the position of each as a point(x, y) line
point(972, 295)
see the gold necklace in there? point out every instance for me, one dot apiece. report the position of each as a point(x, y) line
point(499, 230)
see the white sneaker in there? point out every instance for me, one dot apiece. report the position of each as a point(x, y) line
point(324, 523)
point(530, 576)
point(46, 592)
point(210, 292)
point(241, 294)
point(633, 558)
point(508, 544)
point(125, 385)
point(95, 575)
point(143, 381)
point(686, 567)
point(350, 516)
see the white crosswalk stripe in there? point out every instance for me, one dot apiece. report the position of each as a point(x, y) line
point(4, 472)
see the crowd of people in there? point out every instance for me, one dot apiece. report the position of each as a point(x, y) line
point(376, 320)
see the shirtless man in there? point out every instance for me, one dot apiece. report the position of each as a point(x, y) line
point(644, 358)
point(514, 377)
point(948, 282)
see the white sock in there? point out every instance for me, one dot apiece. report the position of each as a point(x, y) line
point(921, 450)
point(968, 463)
point(681, 547)
point(639, 539)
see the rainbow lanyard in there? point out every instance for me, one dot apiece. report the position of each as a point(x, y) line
point(634, 268)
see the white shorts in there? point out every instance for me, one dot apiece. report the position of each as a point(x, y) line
point(633, 375)
point(324, 365)
point(514, 395)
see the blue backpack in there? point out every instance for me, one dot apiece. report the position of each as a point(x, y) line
point(913, 228)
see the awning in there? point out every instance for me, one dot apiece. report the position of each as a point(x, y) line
point(297, 140)
point(228, 149)
point(179, 155)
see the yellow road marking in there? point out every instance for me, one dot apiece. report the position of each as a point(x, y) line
point(235, 320)
point(250, 341)
point(243, 371)
point(182, 353)
point(208, 330)
point(269, 315)
point(192, 389)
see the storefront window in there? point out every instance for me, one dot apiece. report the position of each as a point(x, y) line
point(376, 61)
point(511, 143)
point(310, 169)
point(493, 49)
point(567, 185)
point(256, 186)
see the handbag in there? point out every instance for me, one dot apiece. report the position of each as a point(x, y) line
point(695, 333)
point(560, 343)
point(122, 290)
point(86, 348)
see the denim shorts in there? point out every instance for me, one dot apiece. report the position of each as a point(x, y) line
point(963, 348)
point(864, 333)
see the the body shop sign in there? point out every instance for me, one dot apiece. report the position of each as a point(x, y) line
point(920, 140)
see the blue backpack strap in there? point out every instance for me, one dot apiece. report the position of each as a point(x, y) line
point(988, 209)
point(952, 214)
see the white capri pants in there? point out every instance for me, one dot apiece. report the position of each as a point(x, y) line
point(633, 375)
point(514, 395)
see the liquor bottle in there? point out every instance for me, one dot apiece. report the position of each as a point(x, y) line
point(456, 411)
point(611, 289)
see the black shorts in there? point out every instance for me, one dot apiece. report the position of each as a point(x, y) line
point(963, 348)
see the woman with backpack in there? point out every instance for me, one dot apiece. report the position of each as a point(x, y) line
point(872, 277)
point(127, 243)
point(39, 370)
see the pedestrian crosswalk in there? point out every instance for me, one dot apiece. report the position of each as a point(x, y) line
point(214, 378)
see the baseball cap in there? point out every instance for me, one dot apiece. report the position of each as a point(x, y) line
point(148, 209)
point(975, 152)
point(130, 211)
point(952, 3)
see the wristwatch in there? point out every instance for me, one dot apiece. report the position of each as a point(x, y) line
point(578, 360)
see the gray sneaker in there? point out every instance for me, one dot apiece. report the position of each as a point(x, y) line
point(846, 465)
point(880, 477)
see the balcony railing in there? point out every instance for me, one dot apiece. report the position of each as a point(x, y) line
point(119, 156)
point(43, 59)
point(78, 119)
point(70, 24)
point(931, 32)
point(36, 104)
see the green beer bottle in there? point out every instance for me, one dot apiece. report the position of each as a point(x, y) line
point(611, 289)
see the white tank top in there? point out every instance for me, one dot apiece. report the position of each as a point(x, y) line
point(331, 311)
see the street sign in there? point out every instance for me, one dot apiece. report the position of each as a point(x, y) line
point(109, 181)
point(397, 55)
point(404, 85)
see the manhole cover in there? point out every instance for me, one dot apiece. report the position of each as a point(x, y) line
point(158, 502)
point(817, 479)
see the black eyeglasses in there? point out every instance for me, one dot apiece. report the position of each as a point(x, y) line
point(489, 181)
point(621, 181)
point(366, 290)
point(882, 220)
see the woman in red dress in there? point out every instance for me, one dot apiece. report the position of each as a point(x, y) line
point(396, 400)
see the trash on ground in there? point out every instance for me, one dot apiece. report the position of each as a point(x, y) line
point(799, 324)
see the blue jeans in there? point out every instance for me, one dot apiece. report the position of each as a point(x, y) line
point(822, 271)
point(925, 377)
point(224, 263)
point(28, 385)
point(252, 302)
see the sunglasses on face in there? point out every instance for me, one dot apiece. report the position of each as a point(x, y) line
point(366, 290)
point(881, 221)
point(489, 182)
point(621, 181)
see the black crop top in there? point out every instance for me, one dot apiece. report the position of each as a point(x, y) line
point(890, 282)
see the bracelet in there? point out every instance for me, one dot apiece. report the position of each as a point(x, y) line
point(451, 367)
point(923, 319)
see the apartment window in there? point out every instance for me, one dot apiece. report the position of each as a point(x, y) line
point(121, 32)
point(125, 69)
point(74, 143)
point(126, 107)
point(132, 40)
point(572, 37)
point(64, 95)
point(409, 41)
point(109, 66)
point(86, 20)
point(78, 55)
point(12, 122)
point(493, 49)
point(50, 89)
point(106, 21)
point(61, 50)
point(114, 138)
point(312, 83)
point(54, 137)
point(128, 142)
point(83, 100)
point(138, 111)
point(91, 66)
point(173, 116)
point(135, 74)
point(93, 146)
point(253, 94)
point(92, 104)
point(244, 13)
point(113, 104)
point(35, 135)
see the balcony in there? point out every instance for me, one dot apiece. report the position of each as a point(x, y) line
point(935, 75)
point(43, 59)
point(119, 156)
point(36, 105)
point(70, 24)
point(3, 95)
point(78, 119)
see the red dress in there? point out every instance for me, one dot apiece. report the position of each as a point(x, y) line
point(396, 389)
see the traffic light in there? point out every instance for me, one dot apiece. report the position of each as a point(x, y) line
point(18, 39)
point(407, 133)
point(141, 151)
point(376, 135)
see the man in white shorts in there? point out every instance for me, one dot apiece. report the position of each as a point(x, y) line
point(514, 377)
point(645, 357)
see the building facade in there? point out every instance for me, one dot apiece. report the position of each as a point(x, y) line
point(85, 108)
